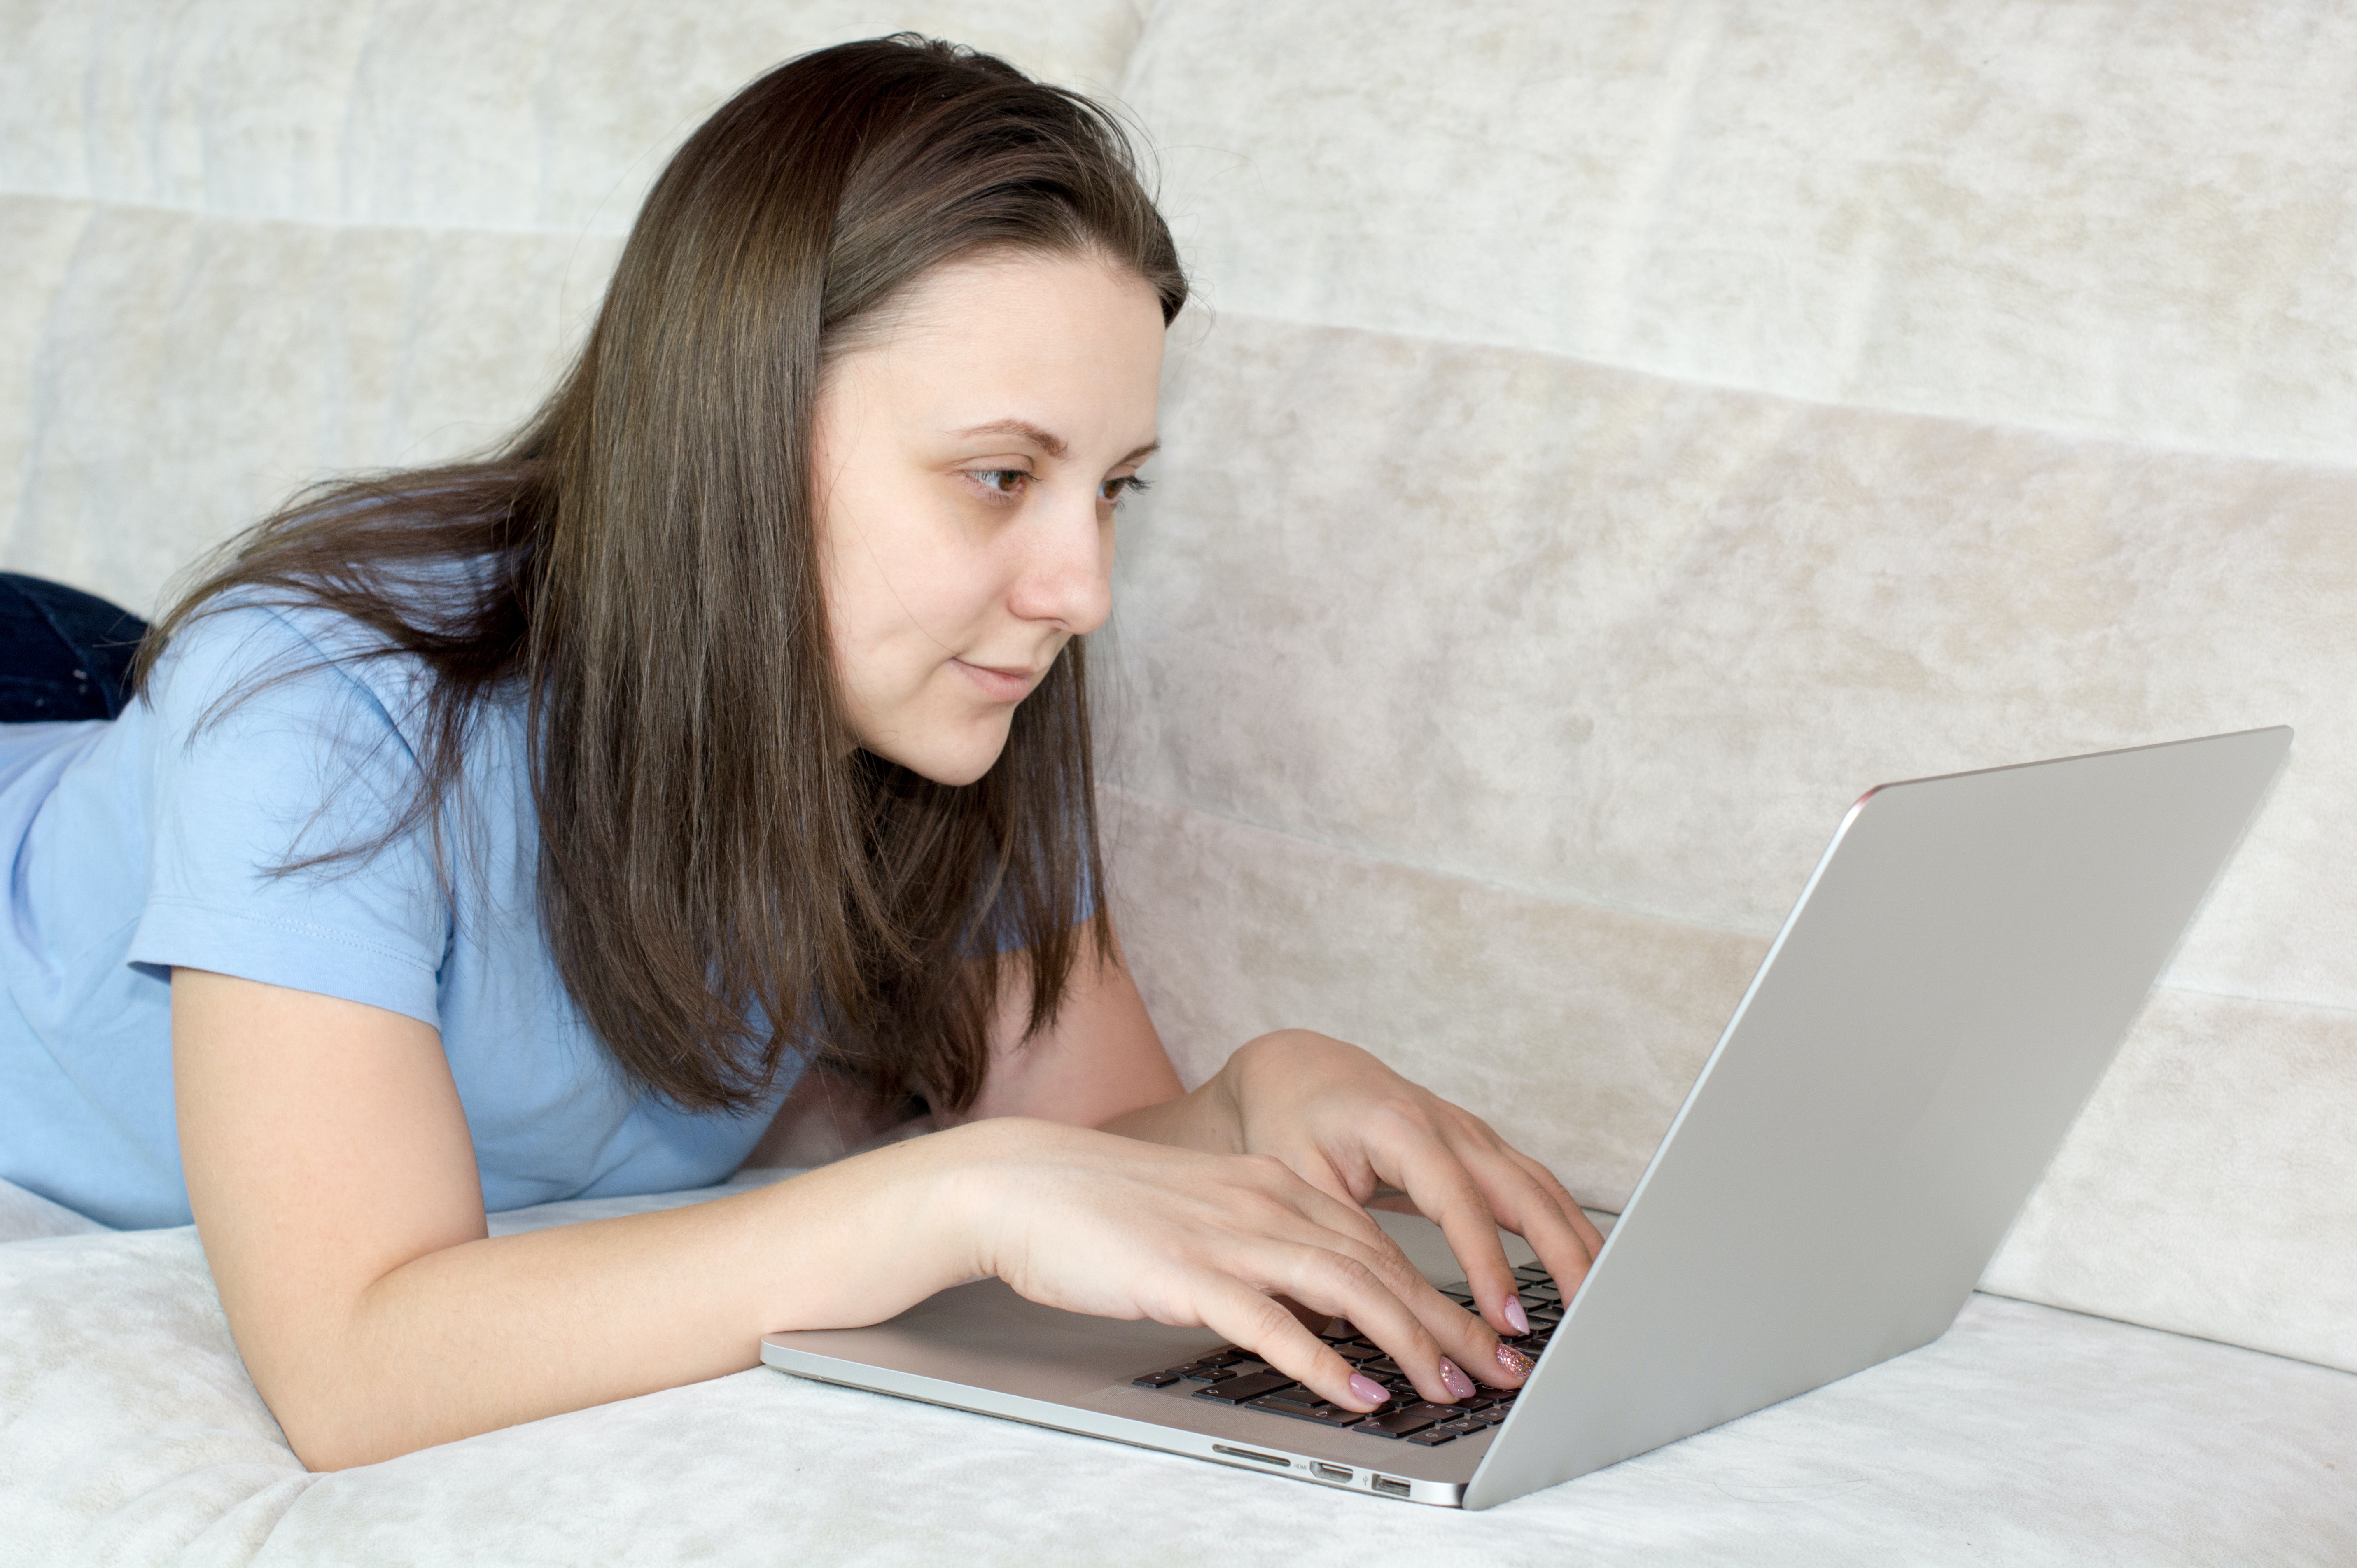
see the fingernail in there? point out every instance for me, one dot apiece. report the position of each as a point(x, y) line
point(1365, 1388)
point(1513, 1363)
point(1454, 1380)
point(1516, 1318)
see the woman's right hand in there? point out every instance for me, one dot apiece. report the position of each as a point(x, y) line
point(1115, 1227)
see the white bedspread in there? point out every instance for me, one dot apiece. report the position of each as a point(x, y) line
point(129, 1434)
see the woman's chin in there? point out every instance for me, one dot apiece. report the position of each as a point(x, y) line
point(958, 777)
point(953, 760)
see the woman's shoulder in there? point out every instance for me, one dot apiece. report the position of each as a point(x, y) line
point(289, 648)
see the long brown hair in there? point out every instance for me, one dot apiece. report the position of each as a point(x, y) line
point(720, 880)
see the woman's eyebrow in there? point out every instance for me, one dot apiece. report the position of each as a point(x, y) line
point(1048, 441)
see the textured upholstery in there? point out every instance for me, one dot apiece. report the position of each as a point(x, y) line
point(1609, 437)
point(1620, 434)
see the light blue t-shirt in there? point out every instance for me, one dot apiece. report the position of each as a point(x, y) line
point(147, 842)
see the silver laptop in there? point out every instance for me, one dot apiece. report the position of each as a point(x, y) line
point(1943, 998)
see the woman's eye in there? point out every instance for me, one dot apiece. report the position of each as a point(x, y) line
point(1114, 489)
point(1006, 482)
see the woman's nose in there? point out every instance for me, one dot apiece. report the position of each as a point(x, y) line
point(1066, 572)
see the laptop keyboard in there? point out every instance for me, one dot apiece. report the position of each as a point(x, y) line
point(1240, 1380)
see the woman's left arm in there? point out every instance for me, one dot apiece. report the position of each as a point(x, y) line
point(1343, 1121)
point(1099, 1061)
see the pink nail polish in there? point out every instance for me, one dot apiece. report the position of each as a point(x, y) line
point(1516, 1318)
point(1365, 1388)
point(1513, 1363)
point(1454, 1380)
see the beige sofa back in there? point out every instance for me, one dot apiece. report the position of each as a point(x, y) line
point(1610, 437)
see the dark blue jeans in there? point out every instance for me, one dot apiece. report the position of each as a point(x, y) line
point(64, 654)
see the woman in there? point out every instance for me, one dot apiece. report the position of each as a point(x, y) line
point(526, 829)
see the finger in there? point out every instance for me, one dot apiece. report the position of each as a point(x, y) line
point(1325, 1254)
point(1356, 1271)
point(1534, 1205)
point(1330, 1209)
point(1433, 1342)
point(1450, 1195)
point(1590, 1239)
point(1314, 1166)
point(1394, 1308)
point(1526, 1198)
point(1426, 1340)
point(1247, 1319)
point(1589, 1236)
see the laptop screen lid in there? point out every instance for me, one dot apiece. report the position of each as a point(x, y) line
point(1940, 1004)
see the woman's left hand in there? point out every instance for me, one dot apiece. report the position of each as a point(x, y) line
point(1347, 1125)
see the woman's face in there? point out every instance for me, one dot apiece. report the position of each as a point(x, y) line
point(969, 460)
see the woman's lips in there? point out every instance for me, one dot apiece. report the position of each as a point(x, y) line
point(1001, 685)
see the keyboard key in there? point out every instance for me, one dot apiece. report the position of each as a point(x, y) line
point(1399, 1424)
point(1358, 1350)
point(1303, 1405)
point(1157, 1380)
point(1447, 1432)
point(1202, 1374)
point(1304, 1398)
point(1383, 1368)
point(1251, 1386)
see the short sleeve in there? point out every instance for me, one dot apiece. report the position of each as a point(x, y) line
point(267, 745)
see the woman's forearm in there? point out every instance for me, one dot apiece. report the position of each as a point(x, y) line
point(336, 1193)
point(506, 1329)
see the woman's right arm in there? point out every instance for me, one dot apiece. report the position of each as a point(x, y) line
point(335, 1189)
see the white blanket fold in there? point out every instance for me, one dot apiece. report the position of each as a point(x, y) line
point(130, 1434)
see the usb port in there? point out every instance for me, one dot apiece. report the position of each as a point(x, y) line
point(1385, 1483)
point(1332, 1473)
